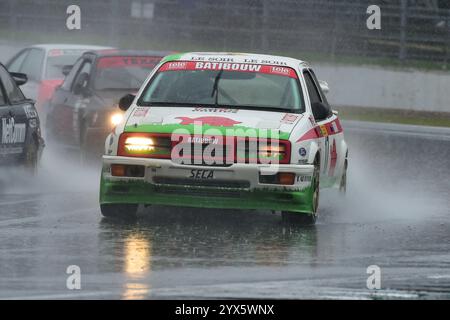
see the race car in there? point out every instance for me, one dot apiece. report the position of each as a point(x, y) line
point(45, 66)
point(21, 142)
point(83, 110)
point(225, 130)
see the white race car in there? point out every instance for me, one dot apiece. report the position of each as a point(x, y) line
point(225, 130)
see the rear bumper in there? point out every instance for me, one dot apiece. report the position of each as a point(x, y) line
point(234, 187)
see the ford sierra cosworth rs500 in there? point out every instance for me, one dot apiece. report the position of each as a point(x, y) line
point(225, 130)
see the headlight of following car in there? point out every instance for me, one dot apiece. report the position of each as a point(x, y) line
point(116, 118)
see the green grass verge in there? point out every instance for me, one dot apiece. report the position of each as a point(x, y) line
point(424, 118)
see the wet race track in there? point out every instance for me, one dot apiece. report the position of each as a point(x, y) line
point(395, 215)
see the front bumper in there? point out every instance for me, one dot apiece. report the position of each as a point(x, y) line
point(234, 187)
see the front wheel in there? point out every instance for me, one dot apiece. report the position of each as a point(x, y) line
point(120, 211)
point(307, 218)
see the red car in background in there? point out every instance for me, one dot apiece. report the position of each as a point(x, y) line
point(44, 66)
point(84, 109)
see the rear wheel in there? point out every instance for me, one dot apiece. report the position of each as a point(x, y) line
point(119, 211)
point(307, 218)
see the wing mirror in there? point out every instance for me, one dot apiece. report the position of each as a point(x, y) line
point(81, 84)
point(19, 78)
point(126, 101)
point(324, 86)
point(320, 111)
point(66, 69)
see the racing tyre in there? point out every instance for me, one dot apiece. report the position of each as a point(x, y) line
point(307, 218)
point(119, 211)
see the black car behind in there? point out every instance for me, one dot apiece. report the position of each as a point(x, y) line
point(21, 142)
point(84, 109)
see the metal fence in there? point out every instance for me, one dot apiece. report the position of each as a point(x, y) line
point(410, 30)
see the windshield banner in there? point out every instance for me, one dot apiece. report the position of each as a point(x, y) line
point(122, 62)
point(227, 66)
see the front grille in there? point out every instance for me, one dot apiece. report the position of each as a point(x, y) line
point(231, 184)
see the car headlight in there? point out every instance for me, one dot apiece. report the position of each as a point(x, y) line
point(139, 144)
point(116, 118)
point(274, 151)
point(134, 144)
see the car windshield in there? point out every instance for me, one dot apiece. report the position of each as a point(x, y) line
point(124, 72)
point(225, 84)
point(57, 59)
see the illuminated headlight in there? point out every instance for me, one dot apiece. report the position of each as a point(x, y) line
point(139, 144)
point(134, 144)
point(116, 118)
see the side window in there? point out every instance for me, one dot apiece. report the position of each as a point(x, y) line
point(11, 89)
point(16, 64)
point(322, 94)
point(83, 75)
point(2, 98)
point(314, 95)
point(69, 78)
point(32, 65)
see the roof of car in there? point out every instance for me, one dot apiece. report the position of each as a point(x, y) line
point(237, 57)
point(119, 53)
point(63, 46)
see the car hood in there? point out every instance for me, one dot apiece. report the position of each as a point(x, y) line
point(167, 119)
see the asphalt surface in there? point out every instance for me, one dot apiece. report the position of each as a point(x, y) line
point(395, 215)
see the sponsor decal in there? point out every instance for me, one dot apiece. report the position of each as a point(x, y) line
point(203, 140)
point(228, 66)
point(302, 152)
point(202, 174)
point(281, 70)
point(12, 132)
point(140, 112)
point(178, 65)
point(222, 110)
point(289, 118)
point(30, 111)
point(212, 121)
point(333, 127)
point(323, 130)
point(133, 61)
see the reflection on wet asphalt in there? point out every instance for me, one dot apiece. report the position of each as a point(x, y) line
point(396, 216)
